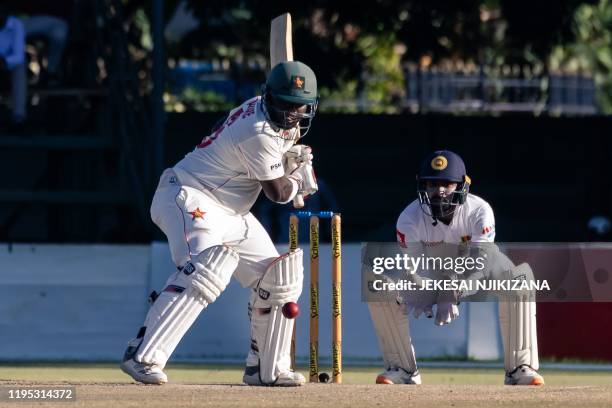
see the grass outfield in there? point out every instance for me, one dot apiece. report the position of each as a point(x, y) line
point(226, 374)
point(104, 385)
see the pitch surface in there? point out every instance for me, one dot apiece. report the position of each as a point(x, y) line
point(103, 385)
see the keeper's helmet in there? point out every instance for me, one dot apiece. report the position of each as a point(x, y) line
point(290, 96)
point(442, 166)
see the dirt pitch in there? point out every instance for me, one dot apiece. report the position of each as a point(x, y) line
point(195, 387)
point(425, 396)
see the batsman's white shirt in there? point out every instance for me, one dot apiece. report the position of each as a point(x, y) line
point(473, 221)
point(230, 163)
point(205, 199)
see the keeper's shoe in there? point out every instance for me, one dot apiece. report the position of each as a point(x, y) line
point(523, 375)
point(398, 376)
point(286, 379)
point(144, 373)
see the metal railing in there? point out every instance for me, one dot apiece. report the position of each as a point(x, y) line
point(432, 90)
point(481, 90)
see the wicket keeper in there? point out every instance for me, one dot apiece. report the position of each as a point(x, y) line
point(446, 212)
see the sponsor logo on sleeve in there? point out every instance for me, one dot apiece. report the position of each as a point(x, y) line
point(401, 238)
point(487, 230)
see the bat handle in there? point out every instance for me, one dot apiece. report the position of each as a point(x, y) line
point(298, 201)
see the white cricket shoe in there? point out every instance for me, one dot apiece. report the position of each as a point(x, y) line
point(286, 379)
point(523, 375)
point(396, 375)
point(144, 373)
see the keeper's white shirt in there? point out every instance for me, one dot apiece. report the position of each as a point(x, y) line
point(473, 221)
point(230, 163)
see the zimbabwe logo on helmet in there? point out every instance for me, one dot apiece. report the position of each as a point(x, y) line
point(298, 82)
point(290, 85)
point(439, 163)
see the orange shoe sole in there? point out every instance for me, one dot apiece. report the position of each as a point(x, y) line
point(381, 379)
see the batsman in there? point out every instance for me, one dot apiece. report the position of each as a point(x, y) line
point(447, 213)
point(203, 205)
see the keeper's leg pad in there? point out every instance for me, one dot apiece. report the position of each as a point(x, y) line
point(393, 334)
point(270, 330)
point(187, 293)
point(517, 320)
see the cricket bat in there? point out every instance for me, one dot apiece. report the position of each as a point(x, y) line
point(281, 49)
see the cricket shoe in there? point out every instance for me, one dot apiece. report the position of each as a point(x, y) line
point(396, 375)
point(523, 375)
point(286, 379)
point(144, 373)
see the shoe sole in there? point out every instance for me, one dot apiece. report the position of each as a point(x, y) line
point(258, 384)
point(274, 385)
point(534, 381)
point(160, 382)
point(381, 379)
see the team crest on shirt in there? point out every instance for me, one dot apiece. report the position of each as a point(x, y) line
point(197, 213)
point(439, 163)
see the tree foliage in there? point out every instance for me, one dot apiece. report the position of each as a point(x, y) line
point(535, 27)
point(359, 47)
point(591, 51)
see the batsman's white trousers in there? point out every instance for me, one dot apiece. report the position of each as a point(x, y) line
point(193, 221)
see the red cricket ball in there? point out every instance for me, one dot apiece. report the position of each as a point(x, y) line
point(291, 310)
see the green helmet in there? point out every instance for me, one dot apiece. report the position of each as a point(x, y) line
point(291, 84)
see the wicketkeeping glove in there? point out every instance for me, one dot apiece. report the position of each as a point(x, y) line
point(446, 312)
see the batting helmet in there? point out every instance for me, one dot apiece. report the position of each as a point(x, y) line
point(442, 165)
point(291, 85)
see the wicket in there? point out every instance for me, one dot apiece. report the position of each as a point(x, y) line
point(336, 278)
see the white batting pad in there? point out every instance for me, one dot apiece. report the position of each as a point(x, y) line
point(393, 333)
point(282, 281)
point(270, 330)
point(517, 319)
point(186, 294)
